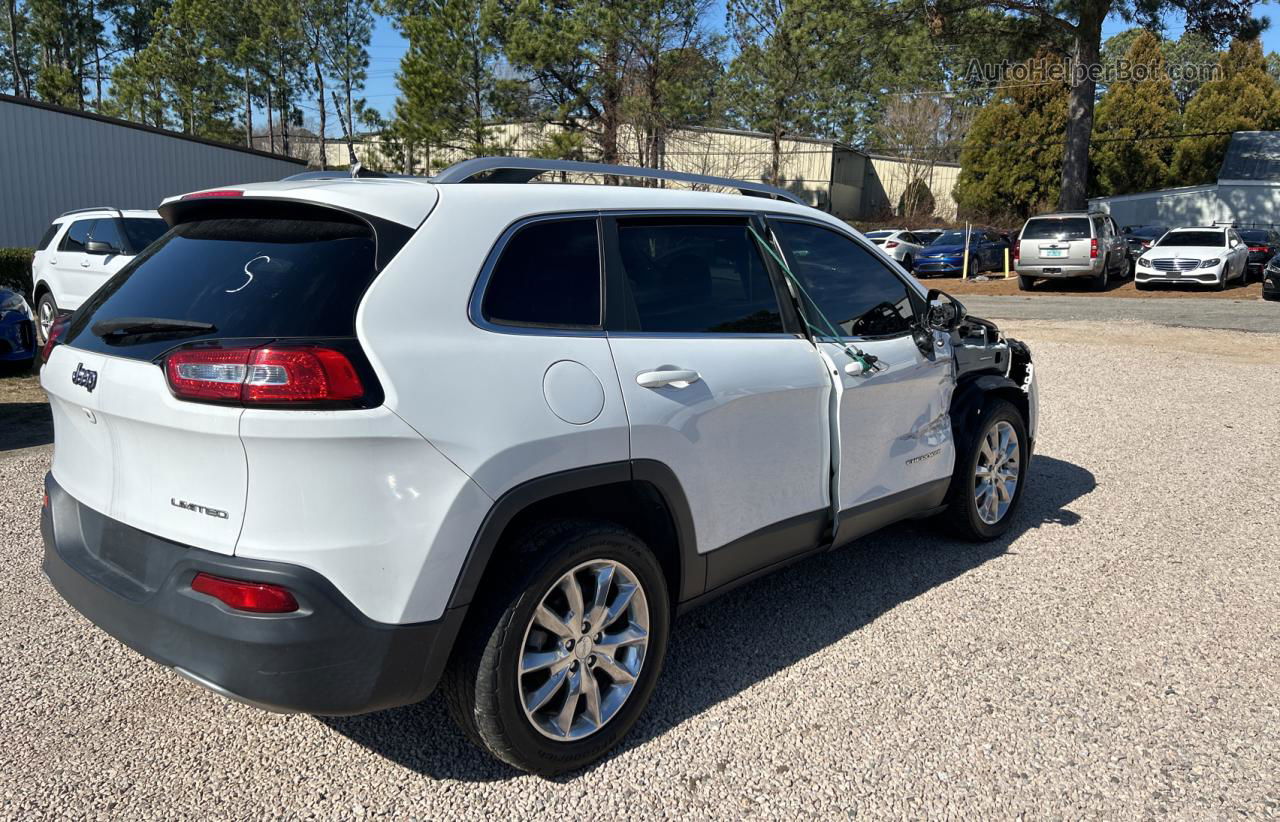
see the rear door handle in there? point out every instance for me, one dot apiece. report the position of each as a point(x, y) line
point(676, 378)
point(84, 263)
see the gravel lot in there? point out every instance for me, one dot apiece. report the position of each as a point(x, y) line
point(1117, 655)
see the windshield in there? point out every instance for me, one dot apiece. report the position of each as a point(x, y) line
point(1254, 236)
point(1204, 239)
point(1057, 228)
point(143, 231)
point(248, 278)
point(953, 238)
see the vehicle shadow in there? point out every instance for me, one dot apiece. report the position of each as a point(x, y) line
point(24, 425)
point(752, 633)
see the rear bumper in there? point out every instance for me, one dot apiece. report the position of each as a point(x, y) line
point(1060, 272)
point(325, 658)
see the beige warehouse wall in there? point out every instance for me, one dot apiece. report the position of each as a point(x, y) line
point(893, 175)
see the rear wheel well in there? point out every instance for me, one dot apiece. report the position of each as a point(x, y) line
point(636, 505)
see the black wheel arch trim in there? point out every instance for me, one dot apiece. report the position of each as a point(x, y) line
point(970, 397)
point(507, 507)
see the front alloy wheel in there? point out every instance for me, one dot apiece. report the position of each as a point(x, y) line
point(584, 649)
point(995, 477)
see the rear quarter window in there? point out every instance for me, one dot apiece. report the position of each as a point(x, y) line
point(49, 234)
point(548, 275)
point(250, 278)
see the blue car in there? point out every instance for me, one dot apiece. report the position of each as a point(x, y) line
point(17, 331)
point(945, 255)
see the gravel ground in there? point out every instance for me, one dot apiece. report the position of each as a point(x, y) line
point(1116, 655)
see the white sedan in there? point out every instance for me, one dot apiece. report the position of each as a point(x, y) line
point(1209, 256)
point(902, 246)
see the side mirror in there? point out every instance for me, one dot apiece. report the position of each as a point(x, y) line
point(98, 247)
point(944, 312)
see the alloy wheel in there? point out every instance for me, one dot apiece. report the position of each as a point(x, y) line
point(46, 318)
point(995, 480)
point(583, 650)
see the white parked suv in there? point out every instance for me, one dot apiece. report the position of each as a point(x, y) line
point(333, 442)
point(80, 251)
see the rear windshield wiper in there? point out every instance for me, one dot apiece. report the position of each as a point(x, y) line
point(133, 326)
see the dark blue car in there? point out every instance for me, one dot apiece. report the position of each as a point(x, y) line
point(17, 331)
point(945, 255)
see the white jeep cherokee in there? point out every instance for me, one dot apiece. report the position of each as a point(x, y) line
point(80, 251)
point(332, 442)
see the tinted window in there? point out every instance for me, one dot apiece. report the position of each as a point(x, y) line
point(1255, 236)
point(548, 275)
point(878, 235)
point(955, 238)
point(49, 234)
point(76, 236)
point(248, 277)
point(908, 237)
point(1148, 231)
point(106, 231)
point(849, 285)
point(1056, 228)
point(696, 276)
point(142, 232)
point(1212, 239)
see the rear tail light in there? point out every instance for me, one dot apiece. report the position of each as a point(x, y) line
point(267, 375)
point(56, 332)
point(1257, 248)
point(891, 244)
point(257, 597)
point(1093, 249)
point(1017, 251)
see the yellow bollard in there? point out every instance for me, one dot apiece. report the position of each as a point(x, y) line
point(1006, 264)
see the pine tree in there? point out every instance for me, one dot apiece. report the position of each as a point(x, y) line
point(1133, 110)
point(1011, 163)
point(1245, 98)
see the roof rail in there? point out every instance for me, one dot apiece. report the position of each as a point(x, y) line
point(524, 169)
point(95, 208)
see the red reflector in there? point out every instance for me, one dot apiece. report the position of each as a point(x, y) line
point(258, 597)
point(1093, 249)
point(56, 333)
point(45, 504)
point(263, 376)
point(222, 192)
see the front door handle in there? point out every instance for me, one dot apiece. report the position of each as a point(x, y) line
point(84, 263)
point(676, 378)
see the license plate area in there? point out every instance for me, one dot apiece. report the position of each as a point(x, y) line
point(1053, 252)
point(1051, 270)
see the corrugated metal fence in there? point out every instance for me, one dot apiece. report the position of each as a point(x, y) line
point(53, 160)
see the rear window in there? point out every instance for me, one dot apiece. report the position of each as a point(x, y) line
point(1063, 228)
point(1210, 239)
point(143, 231)
point(1148, 231)
point(1254, 236)
point(49, 234)
point(250, 278)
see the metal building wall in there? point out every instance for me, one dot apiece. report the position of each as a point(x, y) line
point(52, 161)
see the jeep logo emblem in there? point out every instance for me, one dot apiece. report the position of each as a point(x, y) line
point(84, 377)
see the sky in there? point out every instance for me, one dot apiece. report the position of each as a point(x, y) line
point(387, 47)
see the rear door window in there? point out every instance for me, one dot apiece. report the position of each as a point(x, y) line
point(76, 236)
point(849, 285)
point(250, 278)
point(695, 275)
point(1057, 228)
point(548, 275)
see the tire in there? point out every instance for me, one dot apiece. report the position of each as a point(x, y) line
point(908, 263)
point(1221, 284)
point(483, 686)
point(1100, 282)
point(962, 515)
point(1026, 283)
point(46, 306)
